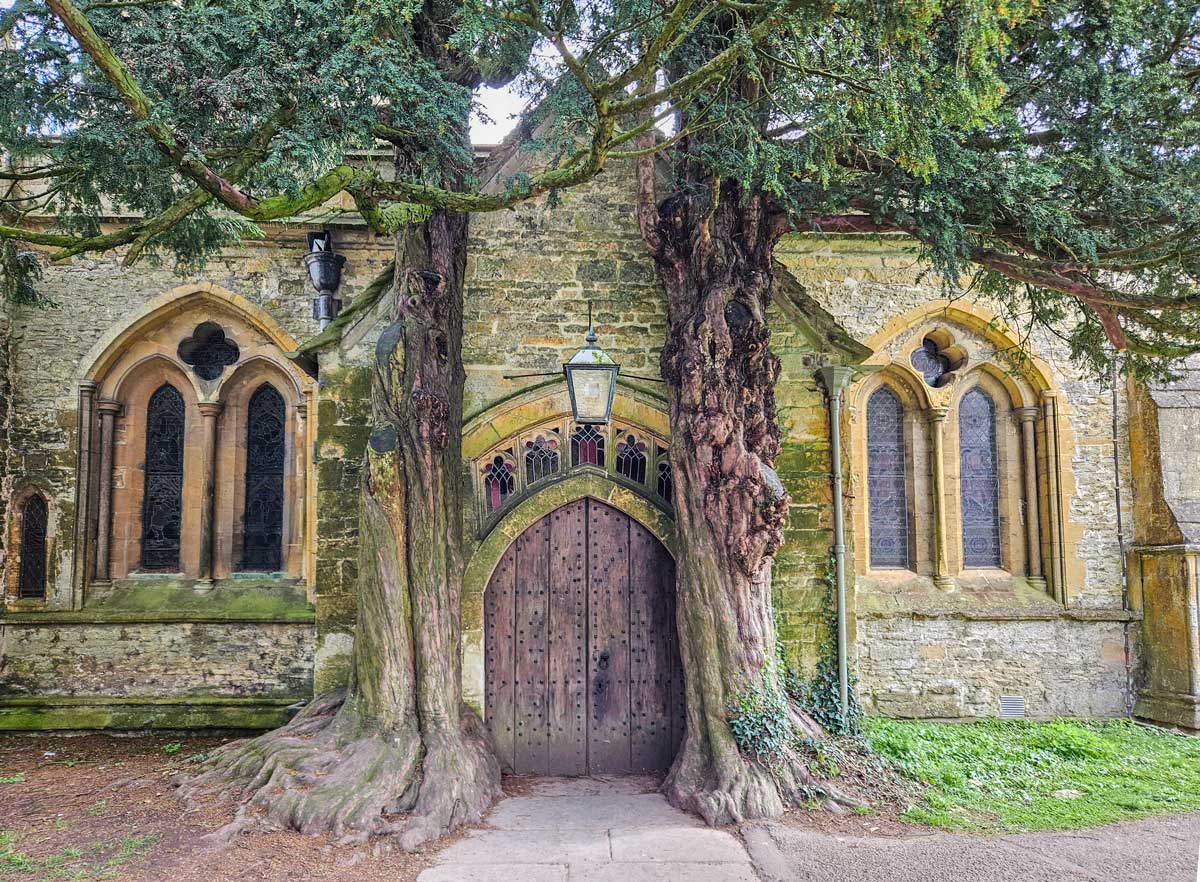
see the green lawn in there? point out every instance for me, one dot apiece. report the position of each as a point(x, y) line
point(1018, 775)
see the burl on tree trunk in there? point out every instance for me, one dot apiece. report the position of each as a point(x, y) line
point(713, 251)
point(397, 752)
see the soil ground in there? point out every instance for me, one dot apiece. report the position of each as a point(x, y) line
point(97, 807)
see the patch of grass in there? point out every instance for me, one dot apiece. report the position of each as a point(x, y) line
point(100, 860)
point(18, 778)
point(1020, 775)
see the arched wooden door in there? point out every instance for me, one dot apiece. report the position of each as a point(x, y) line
point(583, 671)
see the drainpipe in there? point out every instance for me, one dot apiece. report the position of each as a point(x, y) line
point(836, 378)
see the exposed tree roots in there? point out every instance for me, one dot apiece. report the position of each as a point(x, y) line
point(726, 787)
point(329, 772)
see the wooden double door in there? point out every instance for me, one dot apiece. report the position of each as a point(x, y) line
point(583, 670)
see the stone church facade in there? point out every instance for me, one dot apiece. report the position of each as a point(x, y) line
point(180, 497)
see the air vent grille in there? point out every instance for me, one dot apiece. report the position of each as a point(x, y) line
point(1012, 706)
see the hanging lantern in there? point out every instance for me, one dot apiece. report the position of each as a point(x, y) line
point(592, 380)
point(325, 273)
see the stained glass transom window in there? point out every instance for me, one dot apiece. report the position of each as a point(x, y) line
point(887, 481)
point(208, 351)
point(930, 363)
point(587, 446)
point(665, 485)
point(979, 477)
point(541, 458)
point(498, 482)
point(162, 504)
point(631, 459)
point(34, 520)
point(262, 530)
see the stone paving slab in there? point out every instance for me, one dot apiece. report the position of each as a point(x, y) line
point(599, 811)
point(591, 830)
point(684, 845)
point(519, 847)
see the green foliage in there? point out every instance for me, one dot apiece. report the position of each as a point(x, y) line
point(18, 778)
point(97, 861)
point(758, 718)
point(821, 696)
point(1020, 775)
point(19, 274)
point(173, 748)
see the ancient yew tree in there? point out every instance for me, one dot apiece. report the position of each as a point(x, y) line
point(1042, 152)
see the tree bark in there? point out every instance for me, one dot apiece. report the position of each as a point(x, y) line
point(713, 249)
point(397, 752)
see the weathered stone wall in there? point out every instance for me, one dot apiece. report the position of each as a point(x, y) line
point(922, 652)
point(947, 667)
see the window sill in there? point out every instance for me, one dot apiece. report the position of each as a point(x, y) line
point(161, 599)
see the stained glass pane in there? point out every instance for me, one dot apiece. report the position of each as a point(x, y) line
point(887, 481)
point(498, 483)
point(541, 458)
point(980, 479)
point(666, 482)
point(32, 582)
point(631, 459)
point(162, 505)
point(262, 526)
point(930, 363)
point(587, 446)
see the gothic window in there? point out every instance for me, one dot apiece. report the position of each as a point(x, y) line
point(631, 459)
point(887, 481)
point(587, 446)
point(34, 519)
point(162, 505)
point(208, 351)
point(979, 477)
point(541, 458)
point(498, 483)
point(262, 532)
point(665, 484)
point(929, 362)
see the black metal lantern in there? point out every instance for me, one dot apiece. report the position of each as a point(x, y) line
point(592, 380)
point(325, 272)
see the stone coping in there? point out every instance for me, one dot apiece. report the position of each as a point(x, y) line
point(92, 712)
point(145, 600)
point(1007, 615)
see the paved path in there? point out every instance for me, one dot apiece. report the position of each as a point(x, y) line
point(592, 830)
point(1154, 850)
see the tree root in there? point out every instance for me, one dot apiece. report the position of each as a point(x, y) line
point(327, 771)
point(725, 787)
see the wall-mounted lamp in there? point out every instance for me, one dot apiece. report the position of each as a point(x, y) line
point(325, 272)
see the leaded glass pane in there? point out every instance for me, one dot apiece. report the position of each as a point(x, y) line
point(666, 481)
point(162, 505)
point(587, 446)
point(498, 483)
point(631, 459)
point(262, 525)
point(930, 363)
point(34, 517)
point(541, 458)
point(887, 481)
point(980, 480)
point(208, 351)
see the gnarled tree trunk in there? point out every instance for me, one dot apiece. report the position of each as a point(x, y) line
point(397, 752)
point(713, 250)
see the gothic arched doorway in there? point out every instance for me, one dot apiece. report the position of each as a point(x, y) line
point(583, 671)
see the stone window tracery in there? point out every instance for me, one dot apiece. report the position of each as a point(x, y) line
point(208, 351)
point(979, 480)
point(541, 457)
point(587, 446)
point(887, 481)
point(31, 582)
point(498, 482)
point(262, 542)
point(631, 459)
point(162, 506)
